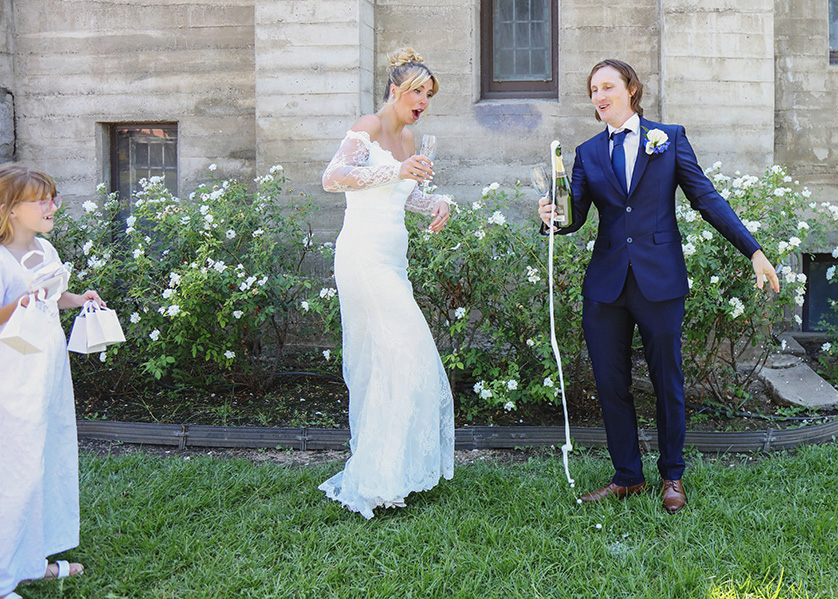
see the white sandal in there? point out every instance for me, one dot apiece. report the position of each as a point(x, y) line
point(63, 570)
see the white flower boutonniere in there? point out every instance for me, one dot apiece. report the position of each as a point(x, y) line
point(656, 141)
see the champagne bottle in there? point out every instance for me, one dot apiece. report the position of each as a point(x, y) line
point(563, 195)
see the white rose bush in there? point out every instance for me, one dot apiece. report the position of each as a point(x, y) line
point(210, 288)
point(207, 288)
point(726, 316)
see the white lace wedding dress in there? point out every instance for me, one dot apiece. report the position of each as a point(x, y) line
point(401, 414)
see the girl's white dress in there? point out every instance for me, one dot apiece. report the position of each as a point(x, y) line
point(39, 481)
point(401, 412)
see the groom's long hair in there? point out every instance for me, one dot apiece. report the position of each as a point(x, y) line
point(628, 75)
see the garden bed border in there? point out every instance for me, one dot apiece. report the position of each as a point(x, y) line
point(472, 437)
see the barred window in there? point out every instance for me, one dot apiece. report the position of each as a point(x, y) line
point(139, 151)
point(519, 48)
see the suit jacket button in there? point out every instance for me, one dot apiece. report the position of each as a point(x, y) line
point(629, 240)
point(628, 208)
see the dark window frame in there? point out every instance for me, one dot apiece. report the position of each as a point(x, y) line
point(115, 130)
point(490, 89)
point(833, 43)
point(807, 260)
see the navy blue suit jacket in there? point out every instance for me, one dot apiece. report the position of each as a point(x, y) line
point(640, 228)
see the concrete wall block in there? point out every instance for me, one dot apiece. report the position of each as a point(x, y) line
point(718, 69)
point(718, 6)
point(301, 82)
point(319, 35)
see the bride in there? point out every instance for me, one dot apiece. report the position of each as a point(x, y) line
point(401, 414)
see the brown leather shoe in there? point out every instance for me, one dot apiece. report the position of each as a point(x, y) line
point(613, 490)
point(674, 497)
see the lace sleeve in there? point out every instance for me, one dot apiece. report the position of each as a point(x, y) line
point(348, 170)
point(423, 203)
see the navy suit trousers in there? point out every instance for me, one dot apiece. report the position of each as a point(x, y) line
point(609, 328)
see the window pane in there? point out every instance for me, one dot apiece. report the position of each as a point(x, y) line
point(504, 37)
point(155, 155)
point(521, 43)
point(139, 152)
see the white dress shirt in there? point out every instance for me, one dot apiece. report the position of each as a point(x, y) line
point(631, 143)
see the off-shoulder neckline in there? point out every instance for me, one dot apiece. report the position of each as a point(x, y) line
point(364, 136)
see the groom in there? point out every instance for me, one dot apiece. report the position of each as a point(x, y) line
point(637, 275)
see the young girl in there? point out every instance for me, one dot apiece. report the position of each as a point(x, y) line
point(39, 489)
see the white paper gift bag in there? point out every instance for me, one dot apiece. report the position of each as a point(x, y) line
point(103, 327)
point(78, 342)
point(52, 276)
point(94, 329)
point(28, 326)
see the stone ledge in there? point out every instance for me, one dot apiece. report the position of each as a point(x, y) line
point(799, 386)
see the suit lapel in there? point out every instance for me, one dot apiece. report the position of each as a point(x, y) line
point(604, 156)
point(642, 157)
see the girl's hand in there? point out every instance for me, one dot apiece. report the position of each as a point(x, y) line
point(417, 167)
point(92, 295)
point(441, 213)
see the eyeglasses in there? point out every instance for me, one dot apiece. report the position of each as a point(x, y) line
point(44, 204)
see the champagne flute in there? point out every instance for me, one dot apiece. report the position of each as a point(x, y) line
point(428, 149)
point(539, 179)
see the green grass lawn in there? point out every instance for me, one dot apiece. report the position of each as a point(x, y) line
point(215, 528)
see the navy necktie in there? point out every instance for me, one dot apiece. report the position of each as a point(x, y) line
point(618, 158)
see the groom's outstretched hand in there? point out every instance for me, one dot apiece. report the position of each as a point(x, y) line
point(441, 213)
point(764, 271)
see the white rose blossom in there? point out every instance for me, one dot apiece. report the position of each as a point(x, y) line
point(497, 218)
point(229, 354)
point(154, 335)
point(460, 313)
point(512, 384)
point(134, 318)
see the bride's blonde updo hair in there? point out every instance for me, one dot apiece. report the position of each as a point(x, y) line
point(407, 71)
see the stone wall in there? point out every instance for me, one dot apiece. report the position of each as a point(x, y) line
point(806, 121)
point(82, 64)
point(7, 71)
point(252, 83)
point(314, 64)
point(719, 78)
